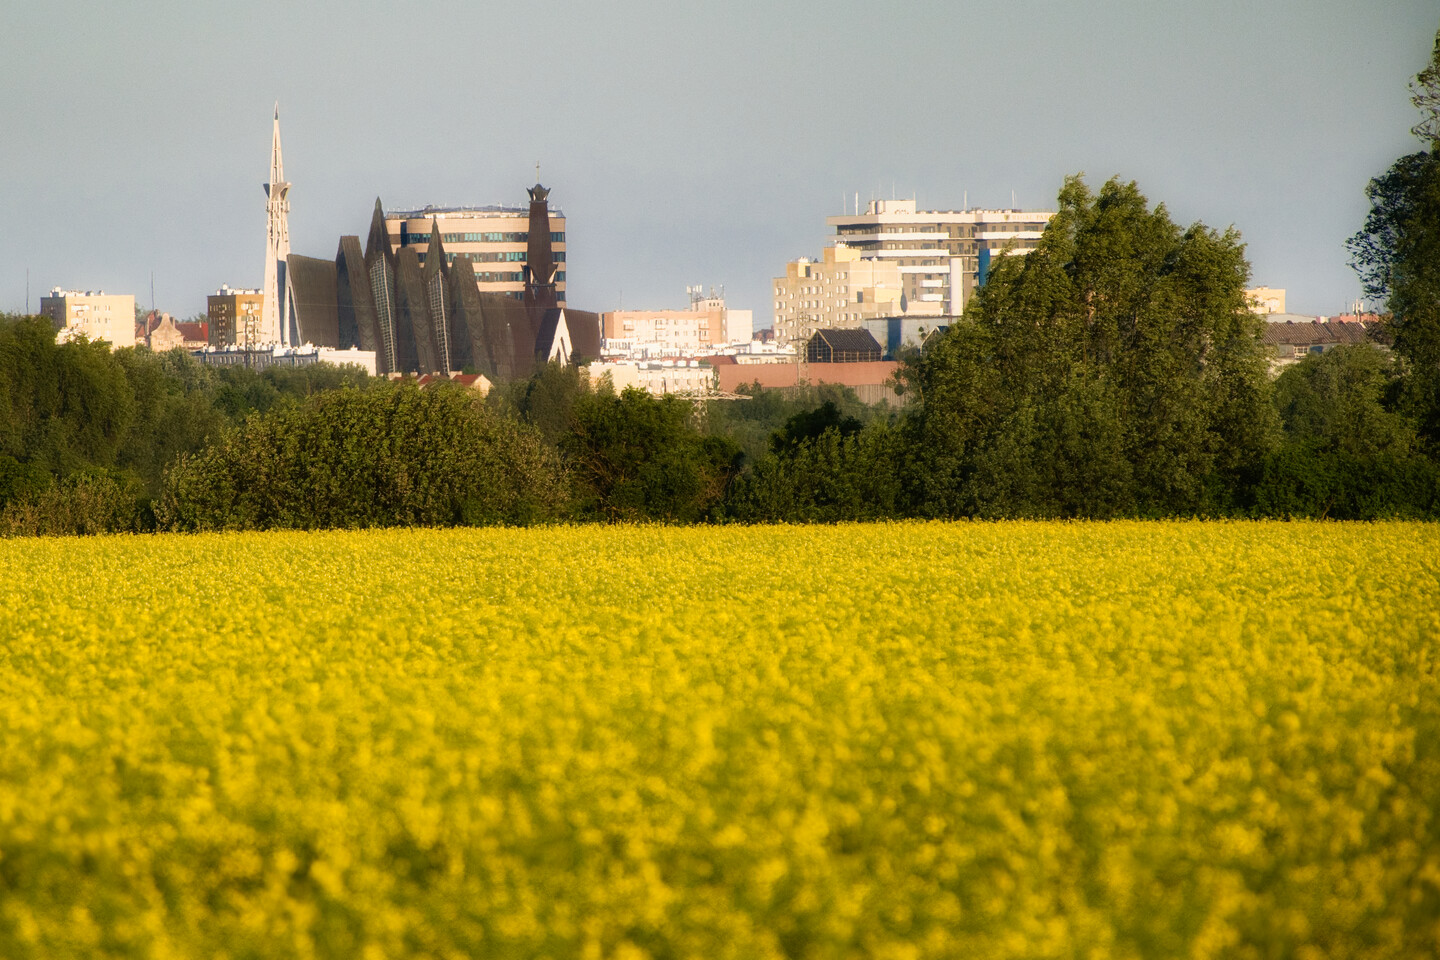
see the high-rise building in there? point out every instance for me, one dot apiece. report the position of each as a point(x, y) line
point(92, 314)
point(841, 290)
point(494, 239)
point(943, 255)
point(235, 317)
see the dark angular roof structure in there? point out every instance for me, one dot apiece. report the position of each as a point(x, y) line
point(584, 332)
point(313, 286)
point(431, 317)
point(355, 302)
point(851, 345)
point(1317, 333)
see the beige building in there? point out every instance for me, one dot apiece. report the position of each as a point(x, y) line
point(1265, 300)
point(943, 255)
point(842, 290)
point(706, 324)
point(93, 314)
point(493, 238)
point(235, 317)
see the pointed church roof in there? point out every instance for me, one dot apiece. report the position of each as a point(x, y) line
point(435, 252)
point(378, 240)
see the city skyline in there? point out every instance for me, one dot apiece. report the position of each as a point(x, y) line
point(684, 145)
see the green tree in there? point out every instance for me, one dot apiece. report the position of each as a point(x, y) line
point(1348, 454)
point(834, 475)
point(64, 408)
point(175, 411)
point(638, 457)
point(546, 400)
point(1397, 252)
point(752, 423)
point(1338, 401)
point(1115, 369)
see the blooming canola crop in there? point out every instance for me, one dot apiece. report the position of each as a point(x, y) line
point(898, 741)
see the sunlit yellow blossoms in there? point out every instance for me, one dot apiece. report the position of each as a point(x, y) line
point(898, 741)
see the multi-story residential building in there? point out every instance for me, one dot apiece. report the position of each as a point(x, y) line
point(92, 314)
point(1266, 299)
point(235, 317)
point(494, 239)
point(843, 289)
point(943, 255)
point(706, 324)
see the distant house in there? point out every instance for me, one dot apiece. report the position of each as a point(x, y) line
point(167, 334)
point(1290, 341)
point(843, 346)
point(473, 381)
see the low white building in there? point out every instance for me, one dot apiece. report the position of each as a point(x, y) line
point(658, 377)
point(259, 358)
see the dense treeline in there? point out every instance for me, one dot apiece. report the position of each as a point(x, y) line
point(86, 434)
point(1114, 371)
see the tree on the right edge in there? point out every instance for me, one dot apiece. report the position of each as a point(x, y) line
point(1397, 252)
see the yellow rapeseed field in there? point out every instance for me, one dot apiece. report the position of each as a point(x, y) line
point(1169, 740)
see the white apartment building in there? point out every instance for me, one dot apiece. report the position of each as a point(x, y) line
point(942, 255)
point(93, 314)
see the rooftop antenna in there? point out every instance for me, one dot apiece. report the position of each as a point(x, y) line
point(967, 199)
point(152, 294)
point(1012, 200)
point(27, 291)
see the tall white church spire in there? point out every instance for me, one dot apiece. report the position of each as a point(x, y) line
point(274, 318)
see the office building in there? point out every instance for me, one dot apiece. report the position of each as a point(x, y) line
point(495, 240)
point(93, 314)
point(943, 255)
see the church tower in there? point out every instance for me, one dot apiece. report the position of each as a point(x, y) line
point(539, 259)
point(274, 318)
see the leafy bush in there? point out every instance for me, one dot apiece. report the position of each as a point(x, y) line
point(80, 504)
point(392, 456)
point(834, 476)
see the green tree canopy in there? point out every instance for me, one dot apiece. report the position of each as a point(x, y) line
point(1397, 252)
point(1116, 368)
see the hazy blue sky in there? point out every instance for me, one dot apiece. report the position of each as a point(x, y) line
point(687, 142)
